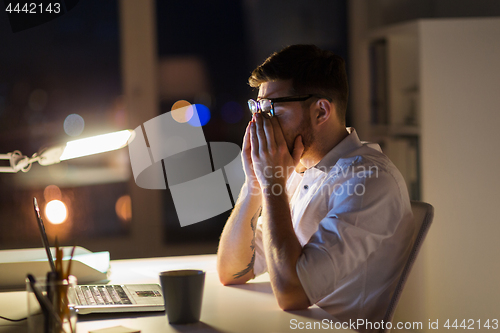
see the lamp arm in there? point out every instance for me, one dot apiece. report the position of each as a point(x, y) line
point(72, 149)
point(52, 155)
point(18, 161)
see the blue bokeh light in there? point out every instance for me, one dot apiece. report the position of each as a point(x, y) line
point(74, 124)
point(203, 117)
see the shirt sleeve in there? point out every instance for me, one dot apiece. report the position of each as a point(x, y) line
point(363, 211)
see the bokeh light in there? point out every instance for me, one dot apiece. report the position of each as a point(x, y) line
point(74, 124)
point(203, 116)
point(52, 192)
point(182, 111)
point(123, 208)
point(56, 211)
point(232, 112)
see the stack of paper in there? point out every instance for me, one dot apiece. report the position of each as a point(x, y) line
point(88, 267)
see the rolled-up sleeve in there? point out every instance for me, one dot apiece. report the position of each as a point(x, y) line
point(362, 213)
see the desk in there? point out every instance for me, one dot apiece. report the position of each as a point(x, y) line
point(248, 308)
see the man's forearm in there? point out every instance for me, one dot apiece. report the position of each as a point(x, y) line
point(236, 253)
point(282, 250)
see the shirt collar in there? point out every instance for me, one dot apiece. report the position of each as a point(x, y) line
point(348, 144)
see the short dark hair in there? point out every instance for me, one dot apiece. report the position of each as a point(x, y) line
point(312, 71)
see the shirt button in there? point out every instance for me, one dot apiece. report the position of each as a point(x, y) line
point(306, 187)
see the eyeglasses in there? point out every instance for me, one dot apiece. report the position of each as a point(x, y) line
point(266, 105)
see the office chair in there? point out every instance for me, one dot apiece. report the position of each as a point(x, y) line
point(423, 214)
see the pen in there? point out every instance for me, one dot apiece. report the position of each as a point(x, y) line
point(51, 289)
point(45, 304)
point(68, 270)
point(45, 241)
point(61, 302)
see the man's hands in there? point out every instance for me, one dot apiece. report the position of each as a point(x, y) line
point(271, 160)
point(251, 179)
point(267, 162)
point(273, 164)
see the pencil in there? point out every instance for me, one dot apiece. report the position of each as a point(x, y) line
point(68, 270)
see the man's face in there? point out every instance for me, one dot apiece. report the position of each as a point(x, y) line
point(293, 119)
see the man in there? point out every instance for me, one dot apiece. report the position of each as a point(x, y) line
point(327, 216)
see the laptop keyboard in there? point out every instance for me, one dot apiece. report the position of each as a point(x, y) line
point(102, 295)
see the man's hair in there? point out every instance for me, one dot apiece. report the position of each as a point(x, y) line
point(312, 71)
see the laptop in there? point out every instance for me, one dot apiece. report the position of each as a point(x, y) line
point(118, 298)
point(108, 298)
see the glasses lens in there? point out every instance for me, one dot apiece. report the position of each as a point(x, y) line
point(265, 105)
point(253, 106)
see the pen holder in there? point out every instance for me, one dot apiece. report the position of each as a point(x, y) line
point(52, 306)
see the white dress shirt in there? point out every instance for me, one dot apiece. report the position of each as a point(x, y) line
point(352, 215)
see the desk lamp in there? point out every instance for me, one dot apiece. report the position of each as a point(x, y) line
point(72, 149)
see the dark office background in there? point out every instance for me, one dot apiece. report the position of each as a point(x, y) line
point(71, 65)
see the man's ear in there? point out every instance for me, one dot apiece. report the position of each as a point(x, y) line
point(323, 110)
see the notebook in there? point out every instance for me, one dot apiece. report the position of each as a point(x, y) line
point(118, 298)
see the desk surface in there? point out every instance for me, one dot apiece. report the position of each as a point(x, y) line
point(244, 308)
